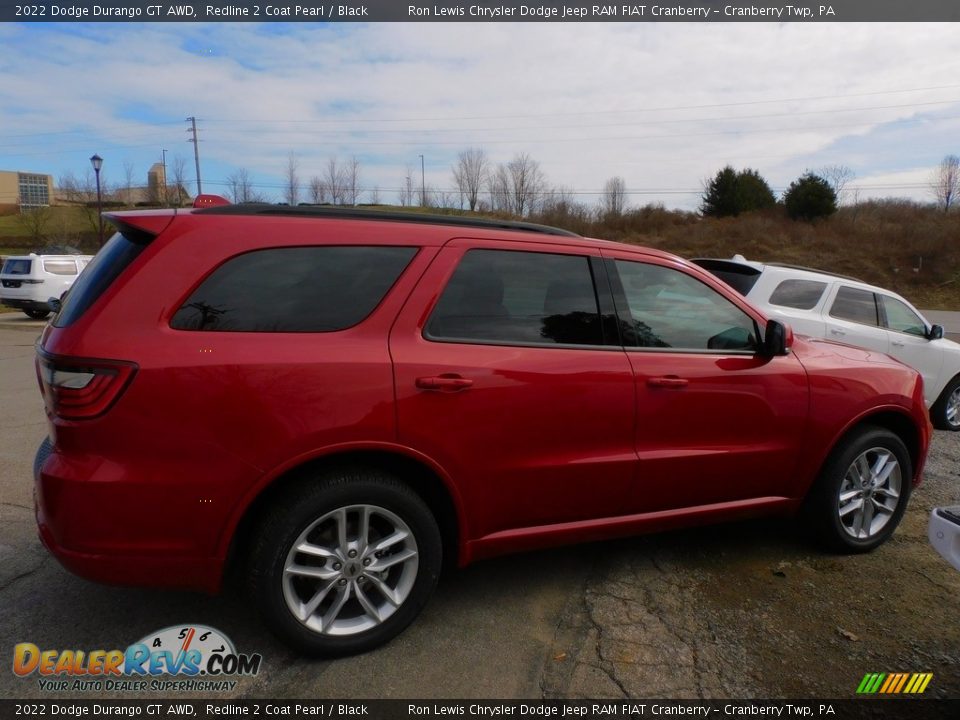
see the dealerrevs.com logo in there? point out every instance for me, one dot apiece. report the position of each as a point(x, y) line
point(202, 654)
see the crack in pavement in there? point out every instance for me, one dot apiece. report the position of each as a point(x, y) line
point(28, 573)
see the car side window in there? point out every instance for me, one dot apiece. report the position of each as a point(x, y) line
point(855, 305)
point(295, 289)
point(518, 297)
point(670, 309)
point(798, 294)
point(901, 318)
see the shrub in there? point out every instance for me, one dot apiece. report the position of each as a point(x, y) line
point(730, 193)
point(810, 197)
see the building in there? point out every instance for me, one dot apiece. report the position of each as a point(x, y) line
point(22, 191)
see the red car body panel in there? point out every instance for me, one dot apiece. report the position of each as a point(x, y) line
point(548, 444)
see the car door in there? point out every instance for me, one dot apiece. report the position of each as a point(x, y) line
point(717, 422)
point(853, 317)
point(510, 376)
point(907, 333)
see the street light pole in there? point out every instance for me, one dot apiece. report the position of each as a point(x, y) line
point(423, 185)
point(164, 151)
point(97, 163)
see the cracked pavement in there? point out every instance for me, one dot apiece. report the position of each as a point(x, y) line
point(743, 610)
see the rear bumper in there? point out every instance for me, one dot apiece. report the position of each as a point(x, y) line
point(92, 541)
point(20, 304)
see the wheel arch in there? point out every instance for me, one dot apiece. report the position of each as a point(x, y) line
point(423, 476)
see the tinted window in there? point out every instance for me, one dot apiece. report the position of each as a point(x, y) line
point(60, 267)
point(503, 296)
point(106, 266)
point(799, 294)
point(310, 289)
point(855, 305)
point(901, 318)
point(741, 278)
point(670, 309)
point(17, 267)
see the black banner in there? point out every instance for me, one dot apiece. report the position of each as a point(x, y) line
point(885, 709)
point(481, 11)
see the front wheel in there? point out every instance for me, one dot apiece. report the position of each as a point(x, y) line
point(945, 413)
point(344, 563)
point(862, 491)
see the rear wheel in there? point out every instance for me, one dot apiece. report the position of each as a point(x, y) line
point(862, 491)
point(344, 563)
point(945, 413)
point(37, 314)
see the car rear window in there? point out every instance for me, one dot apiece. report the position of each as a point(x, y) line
point(518, 298)
point(798, 294)
point(106, 266)
point(17, 267)
point(741, 278)
point(302, 289)
point(60, 267)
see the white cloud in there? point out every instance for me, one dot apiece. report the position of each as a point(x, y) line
point(664, 105)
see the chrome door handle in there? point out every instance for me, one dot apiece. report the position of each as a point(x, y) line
point(837, 332)
point(896, 343)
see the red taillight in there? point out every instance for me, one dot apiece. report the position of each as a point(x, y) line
point(82, 389)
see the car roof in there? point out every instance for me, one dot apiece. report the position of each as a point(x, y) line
point(740, 260)
point(152, 221)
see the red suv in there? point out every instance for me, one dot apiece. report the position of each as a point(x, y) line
point(333, 404)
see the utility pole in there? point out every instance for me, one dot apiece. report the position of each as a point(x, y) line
point(423, 185)
point(164, 161)
point(196, 149)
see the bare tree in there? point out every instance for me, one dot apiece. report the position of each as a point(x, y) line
point(336, 181)
point(36, 222)
point(527, 183)
point(498, 185)
point(291, 190)
point(614, 198)
point(945, 182)
point(838, 176)
point(470, 173)
point(82, 192)
point(375, 195)
point(179, 175)
point(352, 176)
point(406, 191)
point(318, 191)
point(241, 189)
point(128, 179)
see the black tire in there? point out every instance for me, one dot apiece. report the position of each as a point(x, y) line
point(940, 412)
point(823, 508)
point(37, 314)
point(318, 503)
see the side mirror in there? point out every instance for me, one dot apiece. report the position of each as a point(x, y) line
point(54, 304)
point(936, 332)
point(776, 339)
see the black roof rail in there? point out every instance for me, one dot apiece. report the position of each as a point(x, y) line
point(365, 214)
point(788, 266)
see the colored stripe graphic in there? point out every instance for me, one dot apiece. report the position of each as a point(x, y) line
point(894, 683)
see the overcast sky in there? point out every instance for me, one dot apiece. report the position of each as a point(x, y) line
point(662, 105)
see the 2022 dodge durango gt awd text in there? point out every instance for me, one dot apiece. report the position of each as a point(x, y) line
point(334, 404)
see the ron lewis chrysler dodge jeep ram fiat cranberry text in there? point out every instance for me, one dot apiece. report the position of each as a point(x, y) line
point(333, 404)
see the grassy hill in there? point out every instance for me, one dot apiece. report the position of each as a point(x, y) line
point(911, 249)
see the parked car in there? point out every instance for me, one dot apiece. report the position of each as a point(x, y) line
point(330, 405)
point(27, 282)
point(944, 533)
point(821, 304)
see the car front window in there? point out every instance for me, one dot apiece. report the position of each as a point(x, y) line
point(670, 309)
point(901, 318)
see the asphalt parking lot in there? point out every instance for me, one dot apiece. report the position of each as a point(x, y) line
point(743, 610)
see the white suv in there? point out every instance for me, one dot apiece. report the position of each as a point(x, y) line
point(27, 282)
point(835, 307)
